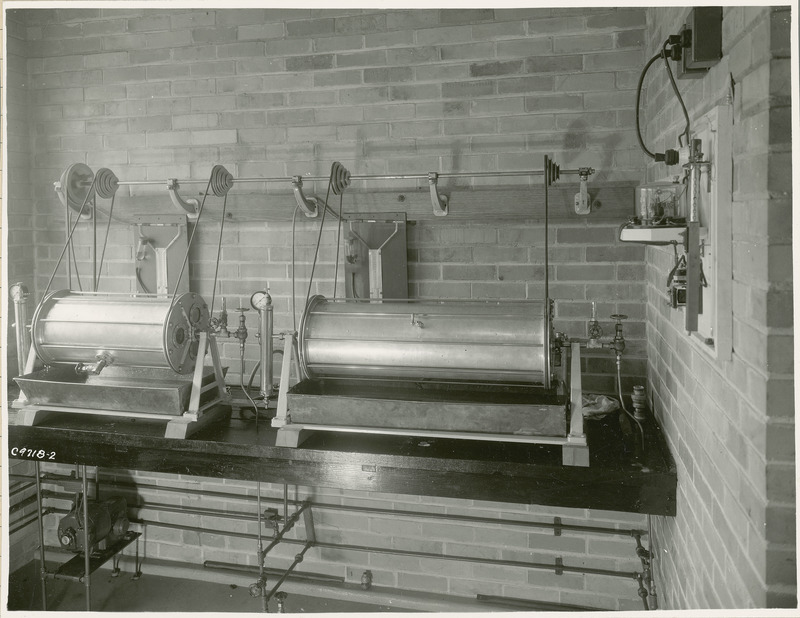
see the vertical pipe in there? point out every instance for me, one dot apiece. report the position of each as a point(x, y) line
point(267, 327)
point(261, 578)
point(285, 503)
point(42, 569)
point(87, 551)
point(19, 294)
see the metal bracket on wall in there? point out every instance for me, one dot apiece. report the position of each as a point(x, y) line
point(439, 202)
point(583, 205)
point(309, 205)
point(189, 206)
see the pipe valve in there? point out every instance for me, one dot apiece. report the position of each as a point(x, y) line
point(241, 331)
point(220, 325)
point(595, 330)
point(618, 343)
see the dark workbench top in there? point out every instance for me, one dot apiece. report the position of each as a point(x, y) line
point(500, 472)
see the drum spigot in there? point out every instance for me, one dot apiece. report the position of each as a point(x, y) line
point(103, 361)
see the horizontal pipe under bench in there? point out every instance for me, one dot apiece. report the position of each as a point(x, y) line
point(465, 469)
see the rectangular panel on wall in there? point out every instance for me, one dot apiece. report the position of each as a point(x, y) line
point(160, 243)
point(376, 260)
point(714, 323)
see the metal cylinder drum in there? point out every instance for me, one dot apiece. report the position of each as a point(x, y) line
point(135, 331)
point(502, 342)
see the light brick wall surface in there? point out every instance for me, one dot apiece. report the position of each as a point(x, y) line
point(20, 207)
point(730, 424)
point(393, 92)
point(158, 94)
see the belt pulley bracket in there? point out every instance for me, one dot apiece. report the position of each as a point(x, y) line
point(439, 202)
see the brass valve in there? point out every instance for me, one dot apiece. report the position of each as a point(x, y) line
point(618, 344)
point(241, 332)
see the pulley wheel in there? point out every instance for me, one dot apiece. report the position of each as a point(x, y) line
point(75, 183)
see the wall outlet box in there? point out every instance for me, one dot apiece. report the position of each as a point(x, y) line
point(702, 41)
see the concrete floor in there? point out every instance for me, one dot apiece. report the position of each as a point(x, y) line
point(160, 594)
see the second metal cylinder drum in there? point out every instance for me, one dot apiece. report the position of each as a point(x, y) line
point(503, 342)
point(136, 331)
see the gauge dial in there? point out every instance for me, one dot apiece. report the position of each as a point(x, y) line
point(259, 300)
point(18, 291)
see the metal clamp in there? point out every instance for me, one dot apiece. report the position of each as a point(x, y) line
point(190, 205)
point(439, 202)
point(582, 204)
point(309, 205)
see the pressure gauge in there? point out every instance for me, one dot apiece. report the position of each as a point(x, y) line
point(260, 300)
point(18, 291)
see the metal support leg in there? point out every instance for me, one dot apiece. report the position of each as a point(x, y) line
point(42, 567)
point(576, 451)
point(137, 573)
point(262, 578)
point(87, 550)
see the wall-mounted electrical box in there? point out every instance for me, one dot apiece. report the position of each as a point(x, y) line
point(701, 41)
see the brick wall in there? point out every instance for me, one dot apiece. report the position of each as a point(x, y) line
point(394, 92)
point(20, 206)
point(730, 424)
point(156, 94)
point(18, 258)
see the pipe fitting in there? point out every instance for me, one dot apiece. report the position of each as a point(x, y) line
point(366, 580)
point(280, 597)
point(241, 331)
point(618, 343)
point(639, 399)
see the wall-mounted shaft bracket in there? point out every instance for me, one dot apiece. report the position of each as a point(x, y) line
point(583, 205)
point(309, 205)
point(439, 202)
point(189, 206)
